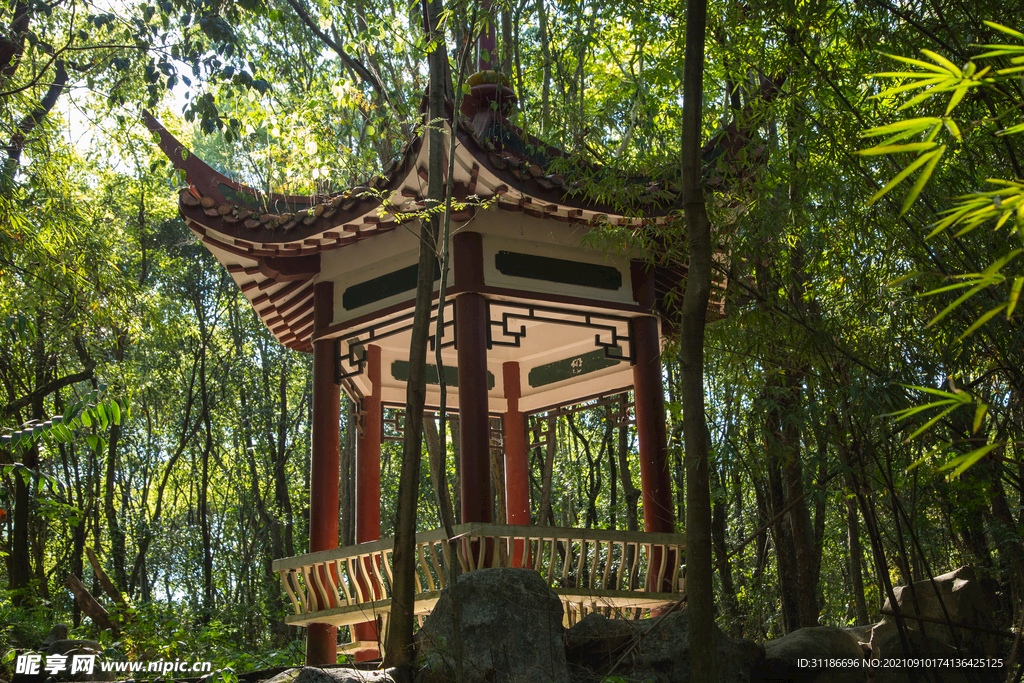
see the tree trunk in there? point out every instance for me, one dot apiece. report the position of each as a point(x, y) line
point(546, 474)
point(718, 515)
point(699, 572)
point(545, 50)
point(785, 557)
point(438, 474)
point(346, 493)
point(117, 548)
point(856, 561)
point(400, 651)
point(630, 492)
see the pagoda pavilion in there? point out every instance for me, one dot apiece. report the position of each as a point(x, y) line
point(535, 321)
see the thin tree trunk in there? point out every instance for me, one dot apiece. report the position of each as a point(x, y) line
point(718, 515)
point(699, 571)
point(856, 561)
point(204, 481)
point(785, 557)
point(438, 473)
point(403, 594)
point(117, 548)
point(545, 51)
point(613, 477)
point(546, 475)
point(346, 494)
point(629, 491)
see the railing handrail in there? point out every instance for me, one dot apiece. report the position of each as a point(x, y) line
point(476, 529)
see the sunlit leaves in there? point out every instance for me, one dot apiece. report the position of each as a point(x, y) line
point(941, 77)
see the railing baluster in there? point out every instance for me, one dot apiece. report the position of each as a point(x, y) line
point(594, 564)
point(481, 552)
point(340, 566)
point(426, 569)
point(465, 555)
point(376, 570)
point(321, 590)
point(568, 559)
point(623, 569)
point(364, 581)
point(433, 560)
point(447, 555)
point(307, 590)
point(636, 565)
point(329, 569)
point(607, 567)
point(286, 582)
point(495, 543)
point(551, 560)
point(661, 569)
point(581, 565)
point(353, 580)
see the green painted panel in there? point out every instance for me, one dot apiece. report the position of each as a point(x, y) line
point(400, 371)
point(568, 368)
point(558, 270)
point(383, 286)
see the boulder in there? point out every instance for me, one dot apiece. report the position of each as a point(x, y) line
point(964, 598)
point(58, 643)
point(655, 651)
point(313, 674)
point(511, 628)
point(861, 633)
point(890, 641)
point(595, 643)
point(664, 652)
point(58, 632)
point(790, 658)
point(961, 593)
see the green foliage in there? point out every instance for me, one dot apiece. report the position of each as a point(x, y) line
point(940, 79)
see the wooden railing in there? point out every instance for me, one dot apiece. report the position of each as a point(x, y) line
point(621, 573)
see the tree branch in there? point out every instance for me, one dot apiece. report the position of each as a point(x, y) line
point(347, 59)
point(33, 119)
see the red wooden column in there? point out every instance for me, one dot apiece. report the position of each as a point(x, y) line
point(649, 396)
point(322, 639)
point(517, 474)
point(368, 492)
point(471, 340)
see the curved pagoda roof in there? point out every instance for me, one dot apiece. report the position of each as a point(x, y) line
point(271, 244)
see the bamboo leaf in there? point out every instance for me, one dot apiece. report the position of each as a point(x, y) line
point(965, 461)
point(1018, 283)
point(958, 95)
point(893, 149)
point(901, 280)
point(948, 309)
point(1005, 29)
point(901, 176)
point(914, 125)
point(922, 180)
point(950, 66)
point(988, 315)
point(953, 128)
point(918, 99)
point(936, 392)
point(979, 415)
point(914, 410)
point(915, 62)
point(928, 425)
point(896, 90)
